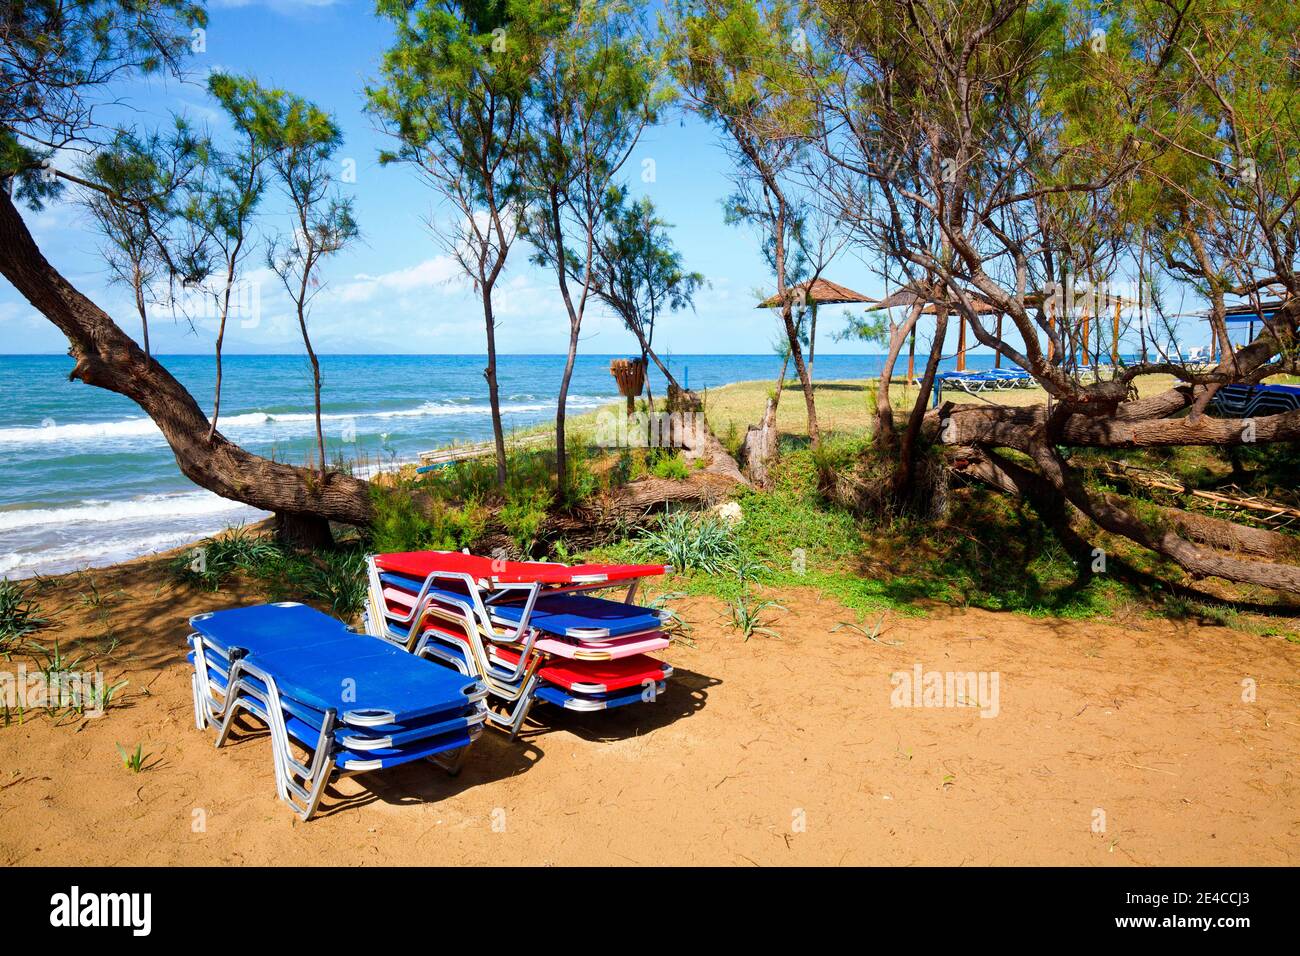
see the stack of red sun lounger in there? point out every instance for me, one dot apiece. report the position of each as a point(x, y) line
point(531, 631)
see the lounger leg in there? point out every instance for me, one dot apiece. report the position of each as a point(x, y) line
point(199, 721)
point(317, 790)
point(455, 763)
point(525, 705)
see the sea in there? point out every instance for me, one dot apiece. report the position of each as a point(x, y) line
point(86, 478)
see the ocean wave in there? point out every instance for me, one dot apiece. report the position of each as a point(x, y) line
point(134, 428)
point(86, 553)
point(152, 508)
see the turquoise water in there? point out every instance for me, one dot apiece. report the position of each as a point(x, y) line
point(86, 478)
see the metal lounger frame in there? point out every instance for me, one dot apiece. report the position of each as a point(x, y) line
point(212, 706)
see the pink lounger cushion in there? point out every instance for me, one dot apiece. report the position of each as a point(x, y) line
point(613, 649)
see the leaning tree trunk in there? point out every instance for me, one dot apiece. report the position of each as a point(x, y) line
point(108, 358)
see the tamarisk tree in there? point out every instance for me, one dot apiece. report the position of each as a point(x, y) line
point(987, 148)
point(741, 67)
point(638, 272)
point(597, 88)
point(57, 60)
point(222, 209)
point(455, 90)
point(304, 140)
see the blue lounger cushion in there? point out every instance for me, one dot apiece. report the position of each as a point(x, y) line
point(309, 721)
point(346, 759)
point(315, 715)
point(574, 614)
point(316, 661)
point(569, 615)
point(570, 701)
point(262, 628)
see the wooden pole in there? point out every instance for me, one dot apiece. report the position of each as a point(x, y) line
point(961, 342)
point(1051, 327)
point(812, 340)
point(911, 356)
point(1083, 342)
point(1114, 345)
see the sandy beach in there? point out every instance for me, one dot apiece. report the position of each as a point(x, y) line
point(1118, 743)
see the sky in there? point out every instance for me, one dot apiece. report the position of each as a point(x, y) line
point(396, 291)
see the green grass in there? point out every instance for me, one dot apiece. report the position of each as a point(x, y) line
point(334, 579)
point(991, 553)
point(19, 616)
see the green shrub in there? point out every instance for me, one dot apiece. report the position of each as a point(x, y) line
point(671, 466)
point(690, 542)
point(405, 519)
point(524, 514)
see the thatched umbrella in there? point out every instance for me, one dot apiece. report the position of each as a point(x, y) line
point(1244, 313)
point(982, 306)
point(1090, 298)
point(907, 296)
point(815, 293)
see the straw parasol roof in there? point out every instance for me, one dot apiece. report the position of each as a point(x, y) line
point(819, 292)
point(907, 296)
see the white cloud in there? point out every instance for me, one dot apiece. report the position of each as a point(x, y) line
point(438, 271)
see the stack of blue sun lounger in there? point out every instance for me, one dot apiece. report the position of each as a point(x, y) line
point(1009, 377)
point(335, 702)
point(1244, 401)
point(993, 379)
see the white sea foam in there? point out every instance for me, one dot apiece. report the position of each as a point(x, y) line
point(250, 423)
point(157, 508)
point(90, 553)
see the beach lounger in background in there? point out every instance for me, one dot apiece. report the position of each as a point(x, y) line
point(1246, 401)
point(335, 702)
point(526, 629)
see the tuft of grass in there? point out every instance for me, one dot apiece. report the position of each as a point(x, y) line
point(334, 579)
point(211, 563)
point(134, 760)
point(690, 542)
point(671, 466)
point(19, 616)
point(746, 614)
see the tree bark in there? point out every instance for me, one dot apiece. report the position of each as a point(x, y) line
point(885, 433)
point(905, 468)
point(1004, 426)
point(561, 451)
point(1108, 513)
point(494, 393)
point(108, 358)
point(303, 531)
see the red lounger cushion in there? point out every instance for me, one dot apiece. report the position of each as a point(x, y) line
point(612, 675)
point(419, 564)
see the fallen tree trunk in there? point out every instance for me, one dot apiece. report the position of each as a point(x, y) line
point(633, 506)
point(1012, 427)
point(108, 358)
point(1109, 513)
point(1018, 481)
